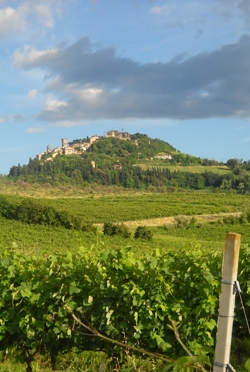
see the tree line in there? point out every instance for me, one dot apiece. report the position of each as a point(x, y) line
point(76, 170)
point(31, 211)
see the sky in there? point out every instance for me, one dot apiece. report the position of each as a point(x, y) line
point(177, 70)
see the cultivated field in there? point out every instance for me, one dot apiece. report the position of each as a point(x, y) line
point(189, 168)
point(121, 286)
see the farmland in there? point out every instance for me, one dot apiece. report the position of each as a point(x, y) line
point(133, 210)
point(77, 265)
point(187, 168)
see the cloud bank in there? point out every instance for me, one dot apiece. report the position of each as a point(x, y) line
point(19, 17)
point(85, 81)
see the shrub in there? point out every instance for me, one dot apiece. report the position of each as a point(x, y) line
point(32, 212)
point(123, 231)
point(151, 189)
point(111, 230)
point(142, 232)
point(171, 189)
point(7, 210)
point(182, 221)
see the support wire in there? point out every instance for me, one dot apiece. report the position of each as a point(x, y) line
point(244, 311)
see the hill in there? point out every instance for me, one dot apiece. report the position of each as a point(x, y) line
point(130, 161)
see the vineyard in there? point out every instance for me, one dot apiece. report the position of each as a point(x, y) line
point(81, 300)
point(115, 294)
point(137, 206)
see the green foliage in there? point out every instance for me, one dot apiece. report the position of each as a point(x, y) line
point(113, 229)
point(122, 230)
point(247, 365)
point(113, 293)
point(125, 297)
point(182, 221)
point(233, 163)
point(231, 220)
point(130, 164)
point(192, 224)
point(121, 296)
point(142, 232)
point(31, 211)
point(129, 207)
point(185, 159)
point(109, 228)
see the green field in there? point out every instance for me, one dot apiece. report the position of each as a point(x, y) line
point(100, 208)
point(188, 168)
point(123, 208)
point(142, 206)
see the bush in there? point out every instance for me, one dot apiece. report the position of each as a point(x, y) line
point(142, 232)
point(123, 231)
point(182, 221)
point(7, 210)
point(112, 229)
point(152, 189)
point(109, 229)
point(33, 212)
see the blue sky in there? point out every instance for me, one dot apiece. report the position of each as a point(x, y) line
point(176, 70)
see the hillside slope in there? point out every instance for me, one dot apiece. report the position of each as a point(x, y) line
point(136, 161)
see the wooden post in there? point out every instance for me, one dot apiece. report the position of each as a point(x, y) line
point(227, 301)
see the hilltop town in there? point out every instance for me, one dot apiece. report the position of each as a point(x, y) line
point(80, 147)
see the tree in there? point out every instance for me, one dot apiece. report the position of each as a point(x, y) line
point(226, 185)
point(241, 187)
point(233, 163)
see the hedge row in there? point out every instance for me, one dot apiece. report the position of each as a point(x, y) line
point(31, 211)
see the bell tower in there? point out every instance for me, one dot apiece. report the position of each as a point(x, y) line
point(64, 142)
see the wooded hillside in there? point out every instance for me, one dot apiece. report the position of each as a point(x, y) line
point(140, 162)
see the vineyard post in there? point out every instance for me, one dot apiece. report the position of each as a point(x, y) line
point(229, 287)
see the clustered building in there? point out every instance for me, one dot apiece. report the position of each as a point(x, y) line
point(78, 148)
point(65, 149)
point(163, 157)
point(116, 134)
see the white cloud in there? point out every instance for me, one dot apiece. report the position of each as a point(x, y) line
point(28, 16)
point(12, 20)
point(32, 94)
point(85, 93)
point(54, 105)
point(29, 56)
point(91, 83)
point(247, 139)
point(37, 129)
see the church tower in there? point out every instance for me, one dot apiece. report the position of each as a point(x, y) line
point(64, 143)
